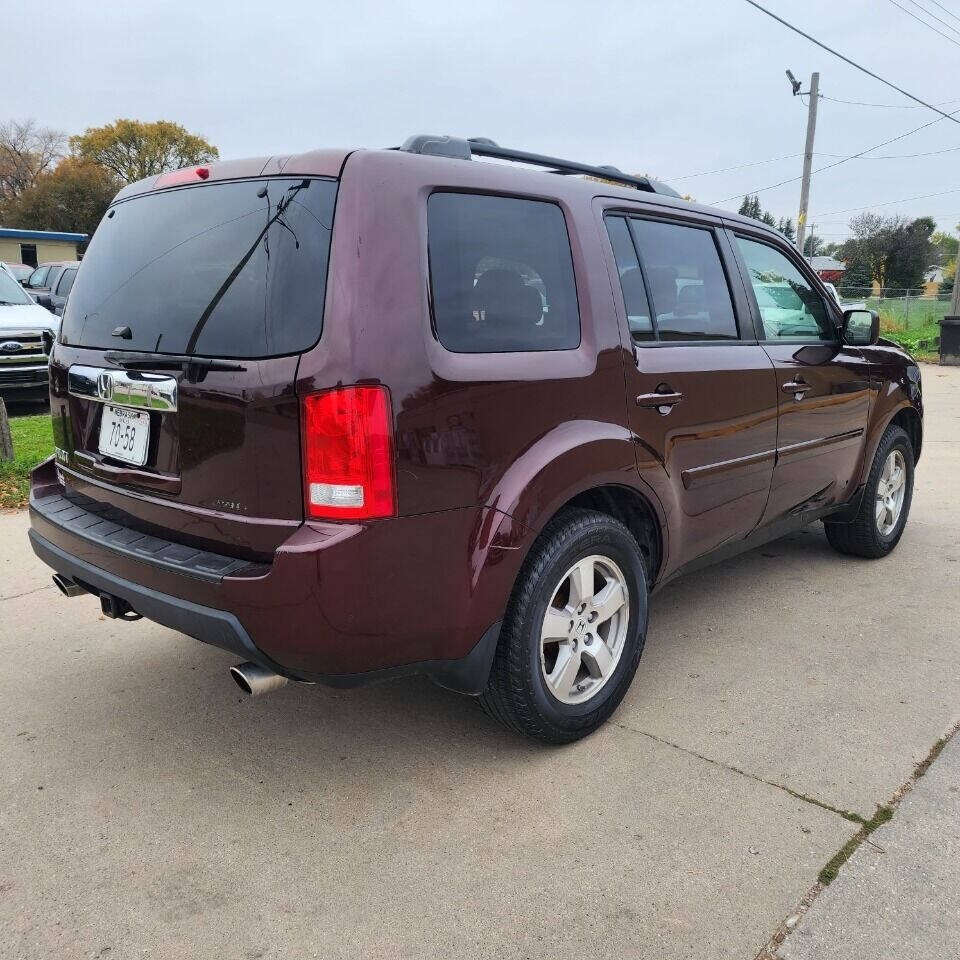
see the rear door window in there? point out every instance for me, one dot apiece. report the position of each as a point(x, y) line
point(66, 282)
point(501, 274)
point(233, 269)
point(674, 270)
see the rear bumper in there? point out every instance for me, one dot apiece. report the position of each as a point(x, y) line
point(340, 604)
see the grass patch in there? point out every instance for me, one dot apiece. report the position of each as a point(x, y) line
point(32, 442)
point(829, 873)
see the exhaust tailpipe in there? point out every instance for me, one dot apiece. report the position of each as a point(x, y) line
point(66, 586)
point(255, 680)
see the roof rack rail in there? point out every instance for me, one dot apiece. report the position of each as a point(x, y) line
point(460, 149)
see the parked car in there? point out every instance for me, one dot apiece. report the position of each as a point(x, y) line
point(45, 278)
point(26, 333)
point(20, 271)
point(59, 293)
point(350, 415)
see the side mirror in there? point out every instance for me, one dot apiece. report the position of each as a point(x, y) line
point(861, 328)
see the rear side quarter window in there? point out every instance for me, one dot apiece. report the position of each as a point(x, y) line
point(501, 274)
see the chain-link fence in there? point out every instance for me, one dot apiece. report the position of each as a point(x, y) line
point(909, 313)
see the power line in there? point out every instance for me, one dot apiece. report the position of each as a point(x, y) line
point(929, 26)
point(853, 63)
point(886, 203)
point(945, 10)
point(755, 163)
point(793, 156)
point(886, 106)
point(837, 163)
point(933, 16)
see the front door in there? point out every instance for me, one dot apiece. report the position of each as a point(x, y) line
point(701, 398)
point(823, 386)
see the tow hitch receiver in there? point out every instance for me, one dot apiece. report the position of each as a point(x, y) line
point(117, 609)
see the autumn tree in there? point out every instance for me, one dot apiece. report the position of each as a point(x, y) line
point(133, 149)
point(73, 198)
point(27, 150)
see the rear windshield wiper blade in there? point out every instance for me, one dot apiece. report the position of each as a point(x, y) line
point(195, 368)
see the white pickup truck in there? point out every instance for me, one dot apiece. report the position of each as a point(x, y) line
point(27, 332)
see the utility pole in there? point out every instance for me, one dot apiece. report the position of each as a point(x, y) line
point(814, 93)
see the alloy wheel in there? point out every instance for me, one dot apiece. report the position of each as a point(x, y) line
point(584, 629)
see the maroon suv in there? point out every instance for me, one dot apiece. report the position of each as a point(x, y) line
point(353, 414)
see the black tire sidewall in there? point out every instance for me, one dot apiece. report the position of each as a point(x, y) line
point(896, 439)
point(608, 539)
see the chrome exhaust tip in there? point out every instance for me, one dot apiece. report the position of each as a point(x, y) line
point(255, 680)
point(66, 586)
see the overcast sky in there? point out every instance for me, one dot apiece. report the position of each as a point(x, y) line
point(670, 88)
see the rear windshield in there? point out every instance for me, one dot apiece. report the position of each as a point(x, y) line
point(234, 269)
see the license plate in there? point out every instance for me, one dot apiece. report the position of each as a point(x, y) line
point(125, 435)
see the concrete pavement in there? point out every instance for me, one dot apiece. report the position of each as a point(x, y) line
point(898, 895)
point(147, 811)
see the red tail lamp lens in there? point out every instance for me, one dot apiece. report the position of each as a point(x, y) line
point(348, 454)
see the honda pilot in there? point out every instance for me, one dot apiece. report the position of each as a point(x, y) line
point(354, 414)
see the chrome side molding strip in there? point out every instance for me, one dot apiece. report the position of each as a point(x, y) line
point(123, 388)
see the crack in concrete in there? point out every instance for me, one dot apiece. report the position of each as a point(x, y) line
point(26, 593)
point(831, 869)
point(846, 814)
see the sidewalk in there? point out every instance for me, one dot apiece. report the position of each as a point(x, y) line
point(899, 895)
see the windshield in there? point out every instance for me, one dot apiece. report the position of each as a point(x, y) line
point(235, 269)
point(11, 292)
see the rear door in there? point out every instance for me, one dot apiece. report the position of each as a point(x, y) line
point(823, 385)
point(701, 397)
point(179, 350)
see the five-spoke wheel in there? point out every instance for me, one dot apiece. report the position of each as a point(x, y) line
point(584, 628)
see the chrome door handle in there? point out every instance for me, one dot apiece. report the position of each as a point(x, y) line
point(797, 387)
point(663, 402)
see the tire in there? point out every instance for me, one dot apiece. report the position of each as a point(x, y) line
point(535, 688)
point(869, 534)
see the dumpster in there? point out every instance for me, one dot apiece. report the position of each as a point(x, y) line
point(950, 341)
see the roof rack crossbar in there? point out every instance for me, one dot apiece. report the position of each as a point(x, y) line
point(483, 147)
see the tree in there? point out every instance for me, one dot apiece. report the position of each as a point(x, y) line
point(72, 198)
point(812, 245)
point(26, 151)
point(870, 244)
point(132, 149)
point(945, 246)
point(751, 207)
point(857, 281)
point(910, 253)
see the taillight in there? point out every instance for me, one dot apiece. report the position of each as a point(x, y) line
point(348, 470)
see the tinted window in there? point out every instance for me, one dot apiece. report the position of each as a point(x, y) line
point(501, 273)
point(688, 288)
point(789, 306)
point(235, 269)
point(631, 279)
point(66, 282)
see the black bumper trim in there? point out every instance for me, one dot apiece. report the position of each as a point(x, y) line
point(219, 628)
point(216, 627)
point(105, 526)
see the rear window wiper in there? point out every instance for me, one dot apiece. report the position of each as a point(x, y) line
point(194, 368)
